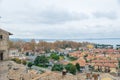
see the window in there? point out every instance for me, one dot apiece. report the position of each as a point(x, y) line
point(1, 37)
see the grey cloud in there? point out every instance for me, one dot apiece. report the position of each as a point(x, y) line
point(58, 16)
point(108, 15)
point(53, 19)
point(48, 16)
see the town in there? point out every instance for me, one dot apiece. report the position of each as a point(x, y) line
point(59, 39)
point(59, 60)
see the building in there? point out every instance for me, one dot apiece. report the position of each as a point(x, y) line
point(4, 46)
point(105, 65)
point(13, 52)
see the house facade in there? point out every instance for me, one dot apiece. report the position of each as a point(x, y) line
point(4, 45)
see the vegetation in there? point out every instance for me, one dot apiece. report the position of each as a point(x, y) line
point(119, 64)
point(90, 46)
point(57, 67)
point(85, 57)
point(27, 54)
point(55, 56)
point(71, 68)
point(30, 64)
point(41, 61)
point(24, 62)
point(77, 66)
point(17, 60)
point(72, 58)
point(46, 46)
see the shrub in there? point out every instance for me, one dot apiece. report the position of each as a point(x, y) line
point(30, 64)
point(41, 60)
point(57, 67)
point(71, 68)
point(77, 66)
point(54, 56)
point(24, 62)
point(17, 60)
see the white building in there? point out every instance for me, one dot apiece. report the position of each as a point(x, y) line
point(13, 52)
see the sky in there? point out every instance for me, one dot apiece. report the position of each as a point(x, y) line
point(61, 19)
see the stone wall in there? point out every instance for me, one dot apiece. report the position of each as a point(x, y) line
point(4, 45)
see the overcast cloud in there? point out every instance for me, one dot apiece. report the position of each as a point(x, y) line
point(61, 19)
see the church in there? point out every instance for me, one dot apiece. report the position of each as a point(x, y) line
point(4, 44)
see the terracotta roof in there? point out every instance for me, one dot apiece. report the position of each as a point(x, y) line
point(111, 65)
point(104, 61)
point(82, 62)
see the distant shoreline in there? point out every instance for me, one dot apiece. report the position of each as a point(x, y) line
point(111, 41)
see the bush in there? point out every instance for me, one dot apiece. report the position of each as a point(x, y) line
point(30, 64)
point(77, 66)
point(71, 68)
point(119, 64)
point(72, 58)
point(57, 67)
point(17, 60)
point(54, 56)
point(41, 61)
point(24, 62)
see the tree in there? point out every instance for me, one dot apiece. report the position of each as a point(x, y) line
point(33, 44)
point(119, 63)
point(27, 54)
point(86, 55)
point(72, 58)
point(41, 61)
point(30, 64)
point(77, 66)
point(71, 68)
point(57, 67)
point(54, 56)
point(24, 62)
point(90, 46)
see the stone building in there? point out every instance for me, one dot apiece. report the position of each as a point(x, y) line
point(4, 46)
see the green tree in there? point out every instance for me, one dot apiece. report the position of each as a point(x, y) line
point(30, 64)
point(54, 56)
point(86, 55)
point(72, 58)
point(41, 61)
point(119, 63)
point(27, 53)
point(77, 66)
point(57, 67)
point(71, 68)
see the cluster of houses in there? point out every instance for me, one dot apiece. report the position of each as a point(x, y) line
point(104, 59)
point(15, 53)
